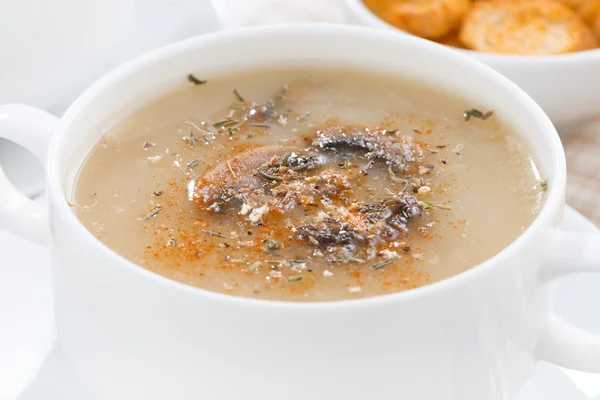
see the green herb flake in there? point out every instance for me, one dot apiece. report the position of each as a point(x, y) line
point(349, 258)
point(384, 263)
point(211, 233)
point(544, 185)
point(193, 164)
point(394, 178)
point(273, 253)
point(224, 123)
point(238, 96)
point(477, 114)
point(195, 80)
point(268, 177)
point(294, 278)
point(191, 139)
point(152, 213)
point(426, 205)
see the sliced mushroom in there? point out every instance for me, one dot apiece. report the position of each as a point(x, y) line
point(372, 145)
point(252, 170)
point(238, 172)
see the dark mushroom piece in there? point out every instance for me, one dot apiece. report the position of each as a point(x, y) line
point(372, 145)
point(236, 173)
point(331, 233)
point(252, 170)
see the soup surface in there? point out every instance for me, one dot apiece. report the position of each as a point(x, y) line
point(308, 185)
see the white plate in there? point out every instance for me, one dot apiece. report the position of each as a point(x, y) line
point(32, 363)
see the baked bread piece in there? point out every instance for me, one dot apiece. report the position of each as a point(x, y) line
point(430, 19)
point(589, 10)
point(526, 27)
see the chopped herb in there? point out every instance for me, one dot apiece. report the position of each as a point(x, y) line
point(172, 242)
point(349, 258)
point(458, 149)
point(152, 213)
point(270, 177)
point(426, 205)
point(217, 234)
point(158, 193)
point(259, 125)
point(286, 159)
point(313, 241)
point(148, 145)
point(472, 113)
point(487, 114)
point(193, 164)
point(271, 252)
point(190, 139)
point(416, 130)
point(250, 135)
point(225, 123)
point(394, 178)
point(433, 151)
point(195, 80)
point(384, 263)
point(544, 185)
point(441, 146)
point(238, 95)
point(477, 114)
point(294, 278)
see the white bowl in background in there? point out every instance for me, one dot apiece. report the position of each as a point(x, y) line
point(566, 86)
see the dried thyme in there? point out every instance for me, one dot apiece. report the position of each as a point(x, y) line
point(269, 177)
point(211, 233)
point(152, 213)
point(193, 164)
point(477, 114)
point(238, 96)
point(384, 263)
point(195, 80)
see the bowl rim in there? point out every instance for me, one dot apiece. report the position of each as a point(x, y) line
point(368, 17)
point(56, 183)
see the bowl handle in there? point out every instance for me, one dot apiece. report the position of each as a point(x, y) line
point(31, 128)
point(559, 341)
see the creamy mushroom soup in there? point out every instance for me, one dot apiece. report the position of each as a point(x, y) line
point(309, 185)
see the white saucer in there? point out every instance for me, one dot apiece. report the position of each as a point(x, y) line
point(33, 367)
